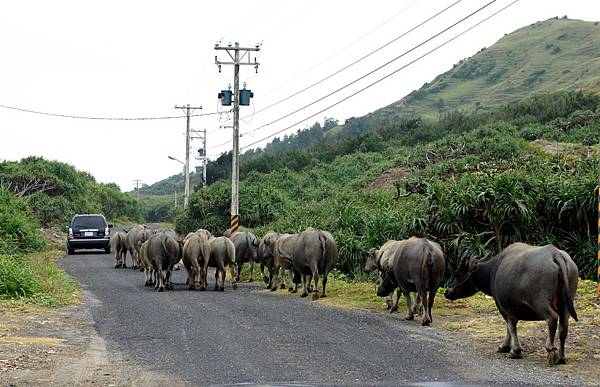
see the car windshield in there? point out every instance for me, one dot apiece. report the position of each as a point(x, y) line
point(94, 222)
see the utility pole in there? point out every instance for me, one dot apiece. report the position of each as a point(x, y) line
point(202, 153)
point(186, 184)
point(234, 54)
point(137, 188)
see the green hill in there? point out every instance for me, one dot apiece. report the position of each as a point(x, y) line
point(548, 56)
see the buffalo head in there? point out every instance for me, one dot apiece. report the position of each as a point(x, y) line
point(388, 284)
point(461, 285)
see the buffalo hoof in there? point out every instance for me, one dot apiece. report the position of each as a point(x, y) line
point(268, 286)
point(315, 296)
point(141, 269)
point(503, 349)
point(304, 295)
point(266, 279)
point(274, 288)
point(294, 291)
point(553, 357)
point(409, 317)
point(393, 309)
point(203, 288)
point(235, 285)
point(124, 266)
point(323, 295)
point(117, 266)
point(425, 323)
point(291, 290)
point(221, 289)
point(518, 354)
point(250, 280)
point(216, 288)
point(160, 289)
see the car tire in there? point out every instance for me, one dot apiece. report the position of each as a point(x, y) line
point(70, 250)
point(107, 250)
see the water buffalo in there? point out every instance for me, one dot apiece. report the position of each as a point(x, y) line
point(150, 278)
point(530, 283)
point(221, 254)
point(130, 244)
point(381, 260)
point(418, 266)
point(266, 255)
point(193, 249)
point(119, 246)
point(246, 250)
point(315, 254)
point(164, 251)
point(282, 260)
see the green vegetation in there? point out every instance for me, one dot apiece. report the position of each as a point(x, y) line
point(473, 182)
point(38, 193)
point(55, 191)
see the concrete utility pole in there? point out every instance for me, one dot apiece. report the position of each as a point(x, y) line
point(186, 184)
point(203, 155)
point(137, 182)
point(234, 54)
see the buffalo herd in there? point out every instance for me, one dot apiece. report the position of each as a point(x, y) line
point(526, 282)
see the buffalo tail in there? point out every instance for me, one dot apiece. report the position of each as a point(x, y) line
point(564, 283)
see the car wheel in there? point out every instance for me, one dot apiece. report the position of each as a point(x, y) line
point(107, 250)
point(70, 250)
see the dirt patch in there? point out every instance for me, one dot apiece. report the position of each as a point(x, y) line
point(54, 237)
point(59, 347)
point(389, 177)
point(567, 149)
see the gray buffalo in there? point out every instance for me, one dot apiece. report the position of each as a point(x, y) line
point(221, 254)
point(282, 260)
point(246, 250)
point(265, 255)
point(381, 260)
point(135, 237)
point(164, 251)
point(196, 250)
point(315, 254)
point(418, 266)
point(530, 283)
point(150, 278)
point(119, 246)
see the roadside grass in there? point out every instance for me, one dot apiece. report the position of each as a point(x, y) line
point(35, 280)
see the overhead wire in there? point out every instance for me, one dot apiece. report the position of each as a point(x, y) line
point(103, 118)
point(357, 60)
point(374, 70)
point(383, 78)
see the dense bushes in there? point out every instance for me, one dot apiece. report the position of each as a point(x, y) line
point(475, 183)
point(56, 191)
point(18, 231)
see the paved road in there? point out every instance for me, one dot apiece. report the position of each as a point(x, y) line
point(253, 336)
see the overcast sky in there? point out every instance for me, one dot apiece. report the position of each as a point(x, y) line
point(140, 58)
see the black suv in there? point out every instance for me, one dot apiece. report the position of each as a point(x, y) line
point(89, 231)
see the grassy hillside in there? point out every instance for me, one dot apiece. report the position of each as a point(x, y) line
point(548, 56)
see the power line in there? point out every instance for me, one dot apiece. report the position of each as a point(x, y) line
point(377, 68)
point(102, 118)
point(383, 78)
point(357, 60)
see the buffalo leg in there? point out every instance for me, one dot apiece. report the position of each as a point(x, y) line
point(251, 279)
point(275, 278)
point(324, 292)
point(304, 291)
point(431, 299)
point(505, 346)
point(393, 305)
point(233, 280)
point(315, 275)
point(410, 314)
point(169, 285)
point(424, 302)
point(216, 288)
point(563, 330)
point(238, 271)
point(515, 346)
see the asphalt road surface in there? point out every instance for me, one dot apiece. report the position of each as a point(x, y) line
point(251, 336)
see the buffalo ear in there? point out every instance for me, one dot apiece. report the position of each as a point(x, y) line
point(473, 262)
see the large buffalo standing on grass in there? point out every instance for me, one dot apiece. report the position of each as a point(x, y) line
point(418, 266)
point(381, 259)
point(315, 254)
point(529, 283)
